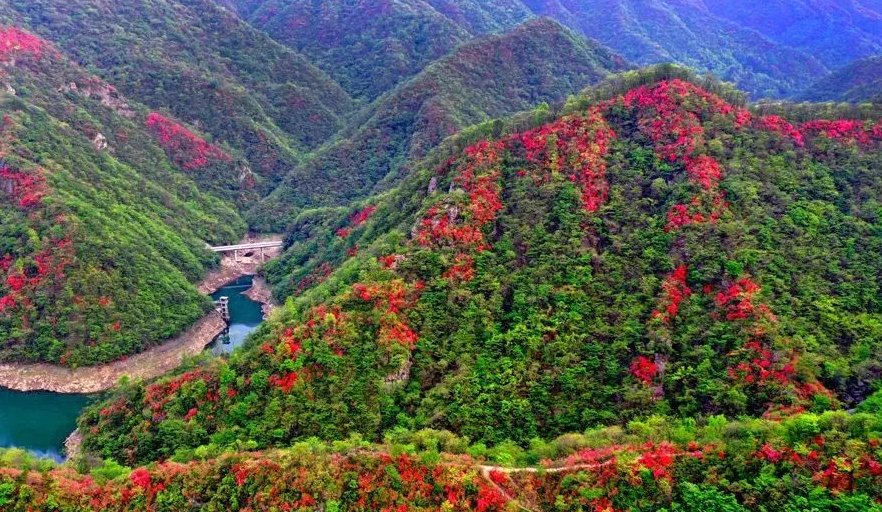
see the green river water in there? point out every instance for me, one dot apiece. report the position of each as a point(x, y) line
point(41, 421)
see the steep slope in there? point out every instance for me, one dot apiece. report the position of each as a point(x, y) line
point(483, 16)
point(858, 82)
point(683, 31)
point(202, 64)
point(657, 250)
point(404, 35)
point(834, 32)
point(832, 462)
point(368, 47)
point(540, 61)
point(106, 208)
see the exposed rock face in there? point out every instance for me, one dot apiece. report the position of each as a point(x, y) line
point(104, 92)
point(399, 377)
point(261, 292)
point(99, 142)
point(73, 444)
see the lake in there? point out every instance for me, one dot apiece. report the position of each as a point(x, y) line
point(41, 421)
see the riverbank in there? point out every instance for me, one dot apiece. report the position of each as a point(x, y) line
point(261, 292)
point(157, 360)
point(93, 379)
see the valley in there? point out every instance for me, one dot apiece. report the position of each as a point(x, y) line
point(40, 421)
point(440, 256)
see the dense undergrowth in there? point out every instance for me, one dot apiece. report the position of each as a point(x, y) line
point(831, 462)
point(105, 213)
point(659, 251)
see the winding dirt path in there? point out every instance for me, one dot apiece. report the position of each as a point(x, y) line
point(486, 470)
point(154, 361)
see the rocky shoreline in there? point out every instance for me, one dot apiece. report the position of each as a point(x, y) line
point(93, 379)
point(261, 292)
point(155, 361)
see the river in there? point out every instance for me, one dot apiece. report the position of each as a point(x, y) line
point(245, 316)
point(41, 421)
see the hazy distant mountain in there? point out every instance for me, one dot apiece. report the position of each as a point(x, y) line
point(856, 82)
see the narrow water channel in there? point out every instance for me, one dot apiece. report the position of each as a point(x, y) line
point(41, 421)
point(245, 316)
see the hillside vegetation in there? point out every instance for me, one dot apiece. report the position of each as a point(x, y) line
point(826, 463)
point(491, 77)
point(857, 82)
point(834, 32)
point(202, 64)
point(106, 208)
point(346, 39)
point(656, 250)
point(367, 47)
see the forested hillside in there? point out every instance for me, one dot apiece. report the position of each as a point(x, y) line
point(823, 463)
point(834, 32)
point(657, 250)
point(368, 47)
point(857, 82)
point(682, 31)
point(106, 208)
point(491, 77)
point(518, 274)
point(202, 64)
point(347, 38)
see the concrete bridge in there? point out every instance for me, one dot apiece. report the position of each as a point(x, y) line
point(252, 247)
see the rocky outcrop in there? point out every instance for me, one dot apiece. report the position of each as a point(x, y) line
point(261, 292)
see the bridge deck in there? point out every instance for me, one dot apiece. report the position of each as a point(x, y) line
point(245, 247)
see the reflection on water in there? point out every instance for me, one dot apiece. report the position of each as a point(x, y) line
point(245, 316)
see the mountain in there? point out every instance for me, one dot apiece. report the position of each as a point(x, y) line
point(857, 82)
point(491, 77)
point(834, 32)
point(202, 64)
point(685, 32)
point(483, 16)
point(656, 250)
point(106, 207)
point(403, 36)
point(367, 47)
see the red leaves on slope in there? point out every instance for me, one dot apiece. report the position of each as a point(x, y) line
point(843, 130)
point(737, 298)
point(676, 291)
point(357, 220)
point(576, 145)
point(140, 477)
point(186, 149)
point(390, 300)
point(15, 42)
point(26, 189)
point(780, 126)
